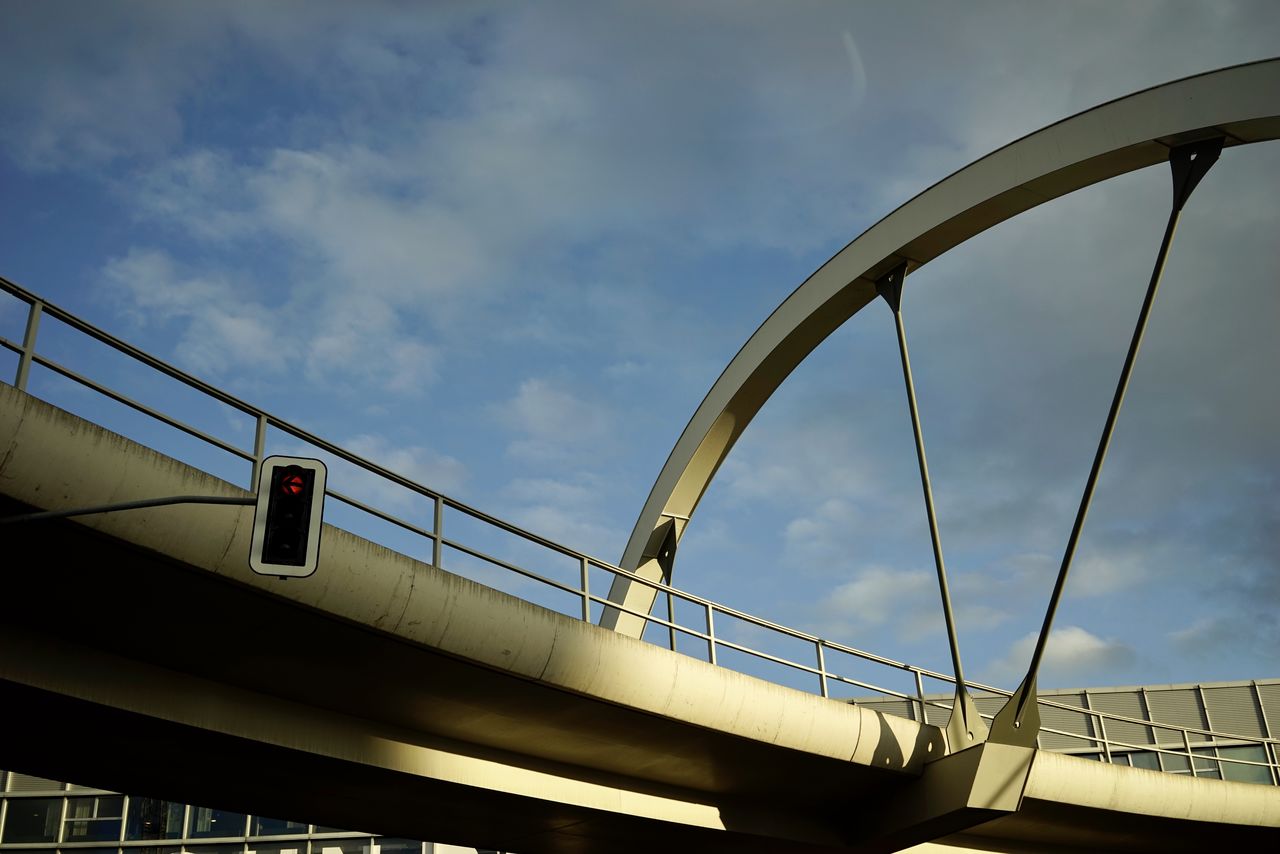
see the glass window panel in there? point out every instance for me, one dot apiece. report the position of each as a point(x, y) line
point(1206, 767)
point(259, 826)
point(93, 819)
point(323, 829)
point(397, 846)
point(341, 846)
point(80, 808)
point(1145, 759)
point(152, 818)
point(109, 806)
point(151, 849)
point(207, 822)
point(91, 830)
point(32, 820)
point(228, 848)
point(1176, 762)
point(1245, 773)
point(298, 847)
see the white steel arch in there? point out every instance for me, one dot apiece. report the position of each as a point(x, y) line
point(1240, 103)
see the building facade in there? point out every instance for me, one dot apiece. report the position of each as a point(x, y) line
point(46, 816)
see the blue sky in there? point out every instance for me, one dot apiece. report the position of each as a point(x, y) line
point(506, 248)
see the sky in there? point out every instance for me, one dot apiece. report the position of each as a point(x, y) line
point(505, 249)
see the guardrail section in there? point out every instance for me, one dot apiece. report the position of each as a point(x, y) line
point(401, 514)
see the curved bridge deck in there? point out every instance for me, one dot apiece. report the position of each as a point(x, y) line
point(387, 694)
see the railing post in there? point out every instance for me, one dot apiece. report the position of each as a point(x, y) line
point(1268, 750)
point(585, 569)
point(924, 715)
point(1191, 758)
point(259, 448)
point(671, 621)
point(711, 634)
point(1100, 727)
point(28, 345)
point(822, 669)
point(437, 542)
point(1106, 741)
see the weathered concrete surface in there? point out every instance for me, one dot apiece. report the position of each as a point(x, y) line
point(400, 668)
point(139, 653)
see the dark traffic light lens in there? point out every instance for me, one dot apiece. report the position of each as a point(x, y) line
point(288, 516)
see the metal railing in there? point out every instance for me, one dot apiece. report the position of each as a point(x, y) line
point(822, 677)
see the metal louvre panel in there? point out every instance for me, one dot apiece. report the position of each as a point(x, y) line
point(1054, 718)
point(901, 708)
point(29, 783)
point(1172, 738)
point(937, 715)
point(1177, 706)
point(1271, 705)
point(1129, 704)
point(1234, 710)
point(989, 705)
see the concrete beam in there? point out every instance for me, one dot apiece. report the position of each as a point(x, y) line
point(386, 695)
point(402, 669)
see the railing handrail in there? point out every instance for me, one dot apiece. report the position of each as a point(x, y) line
point(586, 560)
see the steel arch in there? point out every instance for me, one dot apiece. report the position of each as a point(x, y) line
point(1240, 103)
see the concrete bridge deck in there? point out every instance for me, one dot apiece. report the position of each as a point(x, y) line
point(141, 654)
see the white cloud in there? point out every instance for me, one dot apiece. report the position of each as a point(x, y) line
point(907, 601)
point(552, 422)
point(977, 617)
point(880, 594)
point(540, 490)
point(82, 87)
point(815, 530)
point(353, 339)
point(1109, 573)
point(573, 527)
point(200, 191)
point(1073, 655)
point(438, 471)
point(825, 479)
point(1207, 636)
point(224, 330)
point(566, 510)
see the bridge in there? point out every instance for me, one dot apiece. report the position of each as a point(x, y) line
point(388, 693)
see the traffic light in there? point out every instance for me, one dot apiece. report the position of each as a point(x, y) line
point(286, 520)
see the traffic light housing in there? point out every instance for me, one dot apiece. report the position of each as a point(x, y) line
point(286, 520)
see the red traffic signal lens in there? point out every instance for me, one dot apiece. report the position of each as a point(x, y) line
point(292, 484)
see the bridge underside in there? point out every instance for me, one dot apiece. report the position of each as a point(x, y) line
point(385, 695)
point(254, 705)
